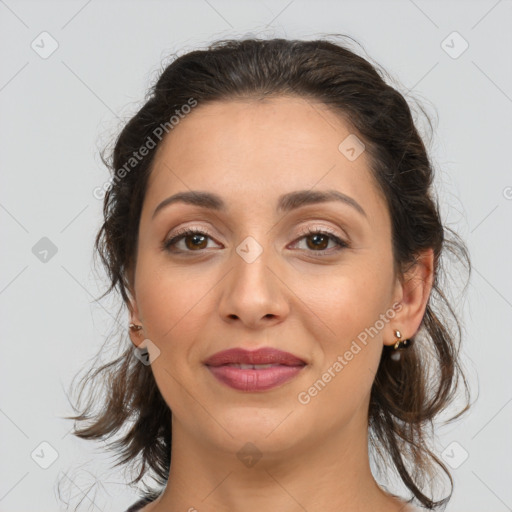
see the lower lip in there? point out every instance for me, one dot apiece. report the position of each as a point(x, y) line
point(254, 380)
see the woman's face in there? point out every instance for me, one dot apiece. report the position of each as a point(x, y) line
point(260, 275)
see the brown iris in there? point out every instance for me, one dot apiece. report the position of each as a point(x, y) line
point(317, 241)
point(197, 239)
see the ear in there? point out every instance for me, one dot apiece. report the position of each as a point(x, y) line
point(412, 293)
point(136, 336)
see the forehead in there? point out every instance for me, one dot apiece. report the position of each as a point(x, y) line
point(263, 148)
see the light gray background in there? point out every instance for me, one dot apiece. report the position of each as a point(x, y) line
point(57, 112)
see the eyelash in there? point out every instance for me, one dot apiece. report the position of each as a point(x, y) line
point(342, 244)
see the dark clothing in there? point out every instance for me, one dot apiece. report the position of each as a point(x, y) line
point(137, 506)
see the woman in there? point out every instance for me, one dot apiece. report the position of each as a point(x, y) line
point(271, 227)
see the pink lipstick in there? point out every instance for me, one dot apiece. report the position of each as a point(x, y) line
point(255, 370)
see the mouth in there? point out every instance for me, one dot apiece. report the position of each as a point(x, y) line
point(256, 370)
point(260, 357)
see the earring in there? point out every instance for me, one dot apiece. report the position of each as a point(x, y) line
point(134, 327)
point(400, 344)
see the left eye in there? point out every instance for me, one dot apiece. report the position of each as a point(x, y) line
point(318, 241)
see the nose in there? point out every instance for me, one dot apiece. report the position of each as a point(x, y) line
point(253, 293)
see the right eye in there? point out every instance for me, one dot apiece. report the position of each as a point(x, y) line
point(194, 240)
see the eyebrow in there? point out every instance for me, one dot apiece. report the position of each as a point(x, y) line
point(286, 202)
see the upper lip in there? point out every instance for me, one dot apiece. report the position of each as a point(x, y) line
point(266, 355)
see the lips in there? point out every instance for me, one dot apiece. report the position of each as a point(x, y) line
point(256, 370)
point(262, 356)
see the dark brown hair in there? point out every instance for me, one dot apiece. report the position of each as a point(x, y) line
point(408, 394)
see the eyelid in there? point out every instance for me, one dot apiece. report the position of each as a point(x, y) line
point(303, 232)
point(186, 229)
point(341, 241)
point(180, 233)
point(314, 229)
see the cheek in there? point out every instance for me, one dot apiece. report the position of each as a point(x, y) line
point(171, 299)
point(345, 301)
point(348, 346)
point(174, 306)
point(345, 314)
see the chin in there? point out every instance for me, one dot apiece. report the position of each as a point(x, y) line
point(270, 429)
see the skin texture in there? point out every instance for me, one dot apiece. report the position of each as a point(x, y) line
point(196, 303)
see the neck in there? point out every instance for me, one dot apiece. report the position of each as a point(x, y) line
point(331, 476)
